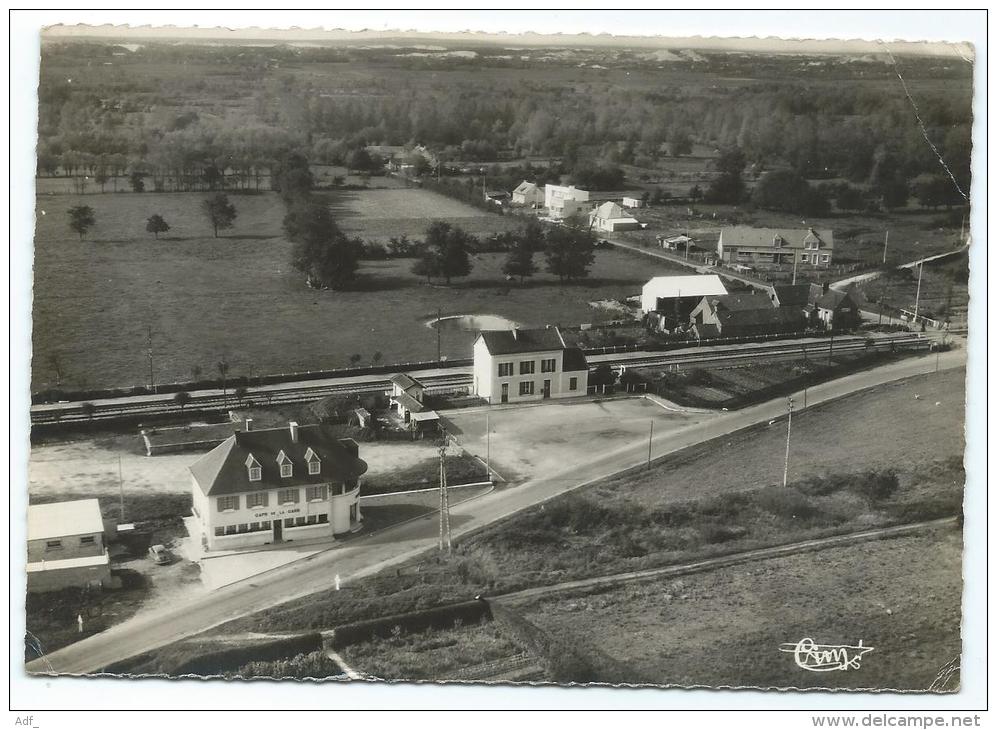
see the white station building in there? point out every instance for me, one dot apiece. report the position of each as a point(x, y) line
point(66, 546)
point(519, 365)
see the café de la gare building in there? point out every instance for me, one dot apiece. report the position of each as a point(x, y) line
point(270, 486)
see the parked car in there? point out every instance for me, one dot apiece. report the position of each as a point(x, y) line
point(160, 555)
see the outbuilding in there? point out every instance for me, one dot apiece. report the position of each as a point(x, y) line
point(66, 546)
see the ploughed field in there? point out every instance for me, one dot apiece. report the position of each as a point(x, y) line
point(236, 296)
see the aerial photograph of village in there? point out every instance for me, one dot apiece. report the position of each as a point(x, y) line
point(482, 359)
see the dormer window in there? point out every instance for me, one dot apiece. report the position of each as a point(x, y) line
point(286, 467)
point(314, 463)
point(254, 468)
point(778, 241)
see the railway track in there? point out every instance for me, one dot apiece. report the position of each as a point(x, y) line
point(164, 405)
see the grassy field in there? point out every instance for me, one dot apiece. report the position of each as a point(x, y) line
point(430, 654)
point(236, 297)
point(725, 627)
point(717, 498)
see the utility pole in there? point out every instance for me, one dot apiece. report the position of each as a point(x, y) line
point(439, 346)
point(121, 490)
point(886, 243)
point(917, 296)
point(152, 382)
point(795, 259)
point(789, 431)
point(445, 543)
point(488, 444)
point(650, 436)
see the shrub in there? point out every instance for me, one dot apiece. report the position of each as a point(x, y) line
point(877, 485)
point(785, 502)
point(303, 666)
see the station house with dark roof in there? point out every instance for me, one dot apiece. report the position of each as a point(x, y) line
point(522, 365)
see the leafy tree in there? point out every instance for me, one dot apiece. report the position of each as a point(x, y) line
point(728, 186)
point(182, 398)
point(82, 219)
point(156, 225)
point(850, 198)
point(292, 177)
point(240, 393)
point(569, 251)
point(447, 251)
point(221, 213)
point(137, 181)
point(88, 409)
point(213, 177)
point(376, 358)
point(101, 178)
point(519, 261)
point(223, 367)
point(321, 251)
point(680, 144)
point(788, 191)
point(695, 193)
point(894, 193)
point(355, 359)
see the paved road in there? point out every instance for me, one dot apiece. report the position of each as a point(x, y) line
point(358, 558)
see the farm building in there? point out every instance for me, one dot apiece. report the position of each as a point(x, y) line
point(529, 194)
point(66, 546)
point(632, 203)
point(497, 197)
point(524, 365)
point(611, 217)
point(563, 202)
point(276, 485)
point(743, 245)
point(744, 315)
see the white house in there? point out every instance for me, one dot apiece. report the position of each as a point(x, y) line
point(663, 292)
point(563, 202)
point(529, 194)
point(276, 485)
point(511, 366)
point(66, 546)
point(633, 202)
point(611, 217)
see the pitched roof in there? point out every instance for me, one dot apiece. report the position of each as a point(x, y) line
point(64, 519)
point(525, 187)
point(672, 287)
point(574, 360)
point(223, 469)
point(792, 295)
point(752, 317)
point(766, 237)
point(406, 381)
point(508, 342)
point(831, 299)
point(742, 302)
point(610, 210)
point(408, 402)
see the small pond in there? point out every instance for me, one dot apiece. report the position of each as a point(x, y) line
point(472, 323)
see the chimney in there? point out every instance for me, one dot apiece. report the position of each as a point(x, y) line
point(293, 425)
point(249, 425)
point(515, 333)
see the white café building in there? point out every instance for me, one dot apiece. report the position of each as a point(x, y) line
point(521, 365)
point(276, 485)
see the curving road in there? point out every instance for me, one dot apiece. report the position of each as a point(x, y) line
point(365, 556)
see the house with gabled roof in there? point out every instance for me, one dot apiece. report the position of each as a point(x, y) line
point(66, 546)
point(745, 245)
point(610, 217)
point(744, 315)
point(521, 365)
point(276, 485)
point(528, 194)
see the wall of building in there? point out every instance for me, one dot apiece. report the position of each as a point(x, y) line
point(71, 546)
point(336, 506)
point(488, 383)
point(53, 580)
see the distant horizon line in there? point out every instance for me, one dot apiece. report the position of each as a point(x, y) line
point(752, 44)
